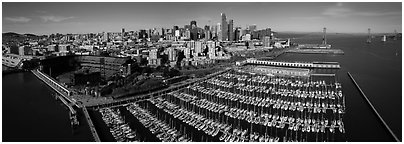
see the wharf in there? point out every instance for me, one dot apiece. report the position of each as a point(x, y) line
point(312, 65)
point(64, 92)
point(316, 51)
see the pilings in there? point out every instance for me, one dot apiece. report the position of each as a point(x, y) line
point(64, 92)
point(91, 125)
point(373, 108)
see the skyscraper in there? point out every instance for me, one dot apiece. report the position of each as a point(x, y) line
point(252, 28)
point(231, 31)
point(219, 32)
point(224, 28)
point(193, 24)
point(194, 31)
point(123, 31)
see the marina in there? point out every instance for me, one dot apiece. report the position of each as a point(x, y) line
point(239, 106)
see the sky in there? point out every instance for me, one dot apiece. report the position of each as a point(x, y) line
point(348, 17)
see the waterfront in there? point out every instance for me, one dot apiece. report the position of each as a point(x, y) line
point(31, 112)
point(376, 67)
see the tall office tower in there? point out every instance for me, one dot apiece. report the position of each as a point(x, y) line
point(268, 32)
point(193, 24)
point(237, 33)
point(106, 37)
point(267, 41)
point(231, 31)
point(224, 28)
point(213, 30)
point(187, 34)
point(219, 31)
point(172, 55)
point(207, 35)
point(252, 28)
point(123, 32)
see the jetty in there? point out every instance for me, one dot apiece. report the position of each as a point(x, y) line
point(94, 133)
point(374, 109)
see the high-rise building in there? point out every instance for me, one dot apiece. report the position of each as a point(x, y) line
point(237, 33)
point(193, 24)
point(219, 32)
point(187, 34)
point(172, 55)
point(207, 35)
point(252, 28)
point(176, 28)
point(224, 27)
point(106, 37)
point(231, 31)
point(267, 41)
point(123, 32)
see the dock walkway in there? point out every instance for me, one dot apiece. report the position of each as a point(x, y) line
point(64, 92)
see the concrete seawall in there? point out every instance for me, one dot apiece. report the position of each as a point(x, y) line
point(374, 109)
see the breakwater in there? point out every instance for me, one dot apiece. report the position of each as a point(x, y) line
point(374, 109)
point(91, 125)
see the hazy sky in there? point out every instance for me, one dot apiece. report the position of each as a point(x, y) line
point(46, 18)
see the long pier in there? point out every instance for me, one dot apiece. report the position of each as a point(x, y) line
point(153, 94)
point(66, 104)
point(64, 92)
point(91, 125)
point(312, 65)
point(374, 109)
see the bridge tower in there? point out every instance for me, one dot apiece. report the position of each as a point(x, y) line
point(324, 36)
point(369, 40)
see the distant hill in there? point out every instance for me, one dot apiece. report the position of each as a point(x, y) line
point(15, 38)
point(11, 34)
point(30, 35)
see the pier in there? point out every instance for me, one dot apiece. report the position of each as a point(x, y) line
point(374, 109)
point(316, 51)
point(91, 125)
point(64, 92)
point(312, 65)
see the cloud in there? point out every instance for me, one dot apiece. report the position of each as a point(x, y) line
point(340, 11)
point(18, 19)
point(41, 11)
point(378, 13)
point(337, 12)
point(54, 18)
point(307, 18)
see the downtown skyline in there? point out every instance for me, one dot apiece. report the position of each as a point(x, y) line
point(48, 18)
